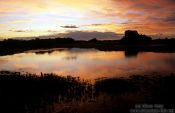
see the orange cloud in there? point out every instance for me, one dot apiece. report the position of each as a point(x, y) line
point(147, 16)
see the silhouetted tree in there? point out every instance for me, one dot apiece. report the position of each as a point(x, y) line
point(133, 37)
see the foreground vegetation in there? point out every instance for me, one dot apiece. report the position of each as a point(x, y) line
point(50, 93)
point(30, 93)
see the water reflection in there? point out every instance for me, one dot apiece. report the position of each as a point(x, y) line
point(89, 63)
point(131, 53)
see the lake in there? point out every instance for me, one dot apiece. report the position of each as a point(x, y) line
point(89, 63)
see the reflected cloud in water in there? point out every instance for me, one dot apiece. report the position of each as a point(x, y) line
point(89, 63)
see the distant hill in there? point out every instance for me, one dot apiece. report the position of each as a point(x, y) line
point(132, 41)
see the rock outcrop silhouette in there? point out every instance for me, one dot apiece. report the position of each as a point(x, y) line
point(133, 37)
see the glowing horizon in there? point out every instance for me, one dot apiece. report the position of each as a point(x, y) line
point(30, 18)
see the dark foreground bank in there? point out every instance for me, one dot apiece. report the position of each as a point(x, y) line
point(50, 93)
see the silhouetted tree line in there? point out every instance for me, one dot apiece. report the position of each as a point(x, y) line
point(131, 41)
point(34, 43)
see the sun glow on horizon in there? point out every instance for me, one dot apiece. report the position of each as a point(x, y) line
point(30, 18)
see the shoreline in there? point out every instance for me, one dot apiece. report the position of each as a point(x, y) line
point(18, 46)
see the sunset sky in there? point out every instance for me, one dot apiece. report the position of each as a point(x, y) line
point(83, 18)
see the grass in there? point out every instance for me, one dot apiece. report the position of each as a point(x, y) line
point(50, 93)
point(29, 92)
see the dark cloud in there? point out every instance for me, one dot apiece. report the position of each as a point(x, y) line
point(87, 35)
point(147, 11)
point(171, 18)
point(14, 30)
point(96, 24)
point(71, 26)
point(81, 35)
point(52, 31)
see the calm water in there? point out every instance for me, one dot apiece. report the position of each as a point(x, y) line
point(89, 63)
